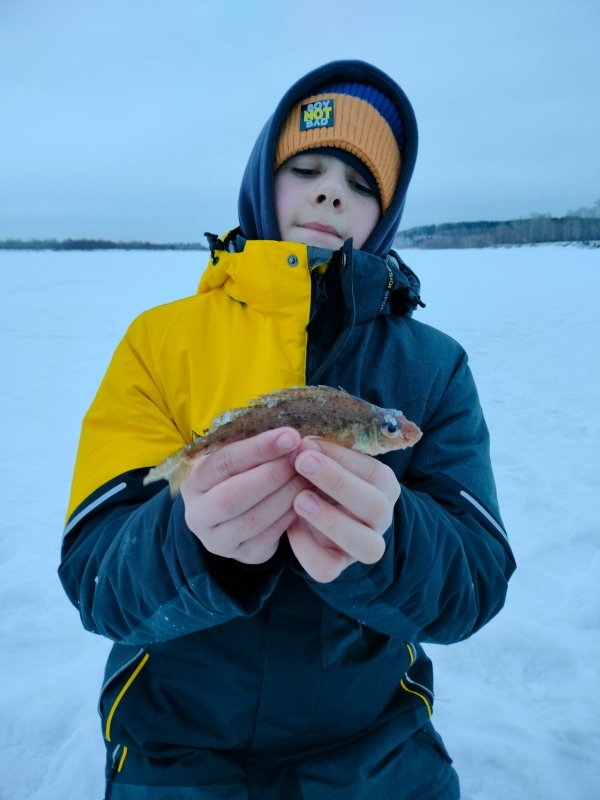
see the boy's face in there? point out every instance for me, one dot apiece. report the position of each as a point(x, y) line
point(321, 200)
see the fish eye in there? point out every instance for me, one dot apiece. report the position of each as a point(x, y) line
point(389, 426)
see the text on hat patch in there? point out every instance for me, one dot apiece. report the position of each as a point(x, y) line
point(319, 114)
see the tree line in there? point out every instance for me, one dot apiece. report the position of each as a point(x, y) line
point(93, 244)
point(536, 229)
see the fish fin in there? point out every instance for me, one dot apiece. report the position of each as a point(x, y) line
point(226, 416)
point(291, 392)
point(173, 469)
point(334, 391)
point(273, 398)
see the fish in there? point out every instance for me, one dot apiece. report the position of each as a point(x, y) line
point(316, 411)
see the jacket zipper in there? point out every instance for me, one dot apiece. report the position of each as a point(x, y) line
point(118, 759)
point(320, 296)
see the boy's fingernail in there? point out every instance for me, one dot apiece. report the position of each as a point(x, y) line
point(307, 464)
point(308, 503)
point(285, 442)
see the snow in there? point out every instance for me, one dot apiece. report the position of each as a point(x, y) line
point(517, 704)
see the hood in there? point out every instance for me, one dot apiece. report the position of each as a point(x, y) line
point(256, 206)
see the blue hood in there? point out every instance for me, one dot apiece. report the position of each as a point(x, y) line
point(256, 206)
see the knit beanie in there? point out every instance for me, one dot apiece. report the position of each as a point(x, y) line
point(353, 117)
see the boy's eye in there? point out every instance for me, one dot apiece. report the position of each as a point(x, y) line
point(359, 185)
point(362, 188)
point(305, 171)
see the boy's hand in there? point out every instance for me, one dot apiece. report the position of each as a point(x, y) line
point(239, 499)
point(343, 516)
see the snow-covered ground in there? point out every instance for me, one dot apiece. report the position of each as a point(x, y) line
point(518, 703)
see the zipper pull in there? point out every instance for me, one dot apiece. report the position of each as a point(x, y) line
point(214, 244)
point(321, 290)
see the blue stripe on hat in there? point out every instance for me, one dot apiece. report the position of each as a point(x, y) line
point(386, 107)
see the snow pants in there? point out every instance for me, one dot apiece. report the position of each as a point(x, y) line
point(420, 770)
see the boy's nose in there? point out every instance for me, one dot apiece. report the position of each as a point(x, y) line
point(329, 193)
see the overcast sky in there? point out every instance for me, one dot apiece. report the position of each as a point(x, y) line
point(133, 119)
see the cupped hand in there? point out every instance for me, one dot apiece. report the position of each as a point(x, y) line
point(239, 499)
point(342, 516)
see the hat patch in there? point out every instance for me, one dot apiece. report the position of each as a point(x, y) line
point(319, 114)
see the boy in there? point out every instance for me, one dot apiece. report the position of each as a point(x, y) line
point(267, 621)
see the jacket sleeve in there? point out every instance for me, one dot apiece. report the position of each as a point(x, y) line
point(138, 575)
point(129, 562)
point(447, 562)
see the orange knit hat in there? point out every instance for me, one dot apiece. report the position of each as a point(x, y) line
point(353, 117)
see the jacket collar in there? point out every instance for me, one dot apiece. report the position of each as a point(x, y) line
point(372, 286)
point(270, 277)
point(275, 277)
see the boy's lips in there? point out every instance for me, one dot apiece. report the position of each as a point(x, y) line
point(321, 228)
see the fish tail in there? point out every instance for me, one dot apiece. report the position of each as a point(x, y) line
point(174, 469)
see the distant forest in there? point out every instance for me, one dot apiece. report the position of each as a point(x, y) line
point(535, 230)
point(580, 226)
point(92, 244)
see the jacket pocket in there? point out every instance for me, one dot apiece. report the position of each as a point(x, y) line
point(116, 687)
point(414, 688)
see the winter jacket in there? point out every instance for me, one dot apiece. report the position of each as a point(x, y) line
point(215, 662)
